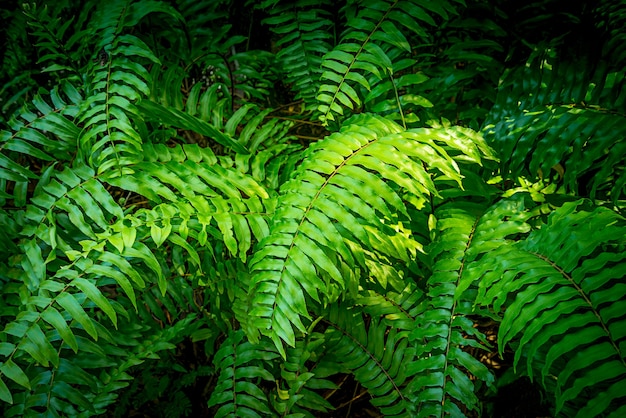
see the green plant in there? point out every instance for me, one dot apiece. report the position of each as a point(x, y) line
point(159, 194)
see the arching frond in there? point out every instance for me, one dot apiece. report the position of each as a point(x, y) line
point(555, 119)
point(564, 299)
point(371, 48)
point(242, 367)
point(375, 353)
point(305, 32)
point(62, 52)
point(208, 199)
point(43, 132)
point(446, 372)
point(110, 139)
point(341, 213)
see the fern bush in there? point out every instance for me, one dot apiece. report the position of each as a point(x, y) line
point(247, 227)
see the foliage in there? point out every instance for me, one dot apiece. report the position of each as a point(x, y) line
point(356, 197)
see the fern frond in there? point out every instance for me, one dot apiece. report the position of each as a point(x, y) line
point(445, 371)
point(562, 121)
point(342, 212)
point(209, 200)
point(397, 309)
point(375, 353)
point(69, 235)
point(564, 299)
point(242, 367)
point(300, 396)
point(58, 48)
point(180, 119)
point(295, 250)
point(110, 138)
point(305, 36)
point(42, 132)
point(373, 42)
point(73, 389)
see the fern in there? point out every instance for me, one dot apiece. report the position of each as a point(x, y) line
point(170, 214)
point(240, 363)
point(305, 37)
point(575, 132)
point(301, 383)
point(334, 191)
point(375, 354)
point(60, 53)
point(558, 281)
point(27, 137)
point(373, 45)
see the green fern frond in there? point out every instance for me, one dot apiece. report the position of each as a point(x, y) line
point(445, 372)
point(305, 36)
point(295, 250)
point(397, 309)
point(557, 120)
point(72, 388)
point(375, 353)
point(196, 198)
point(110, 138)
point(75, 243)
point(342, 212)
point(564, 299)
point(371, 46)
point(41, 132)
point(180, 119)
point(242, 367)
point(300, 396)
point(62, 53)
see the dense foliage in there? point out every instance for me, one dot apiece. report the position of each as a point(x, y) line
point(244, 205)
